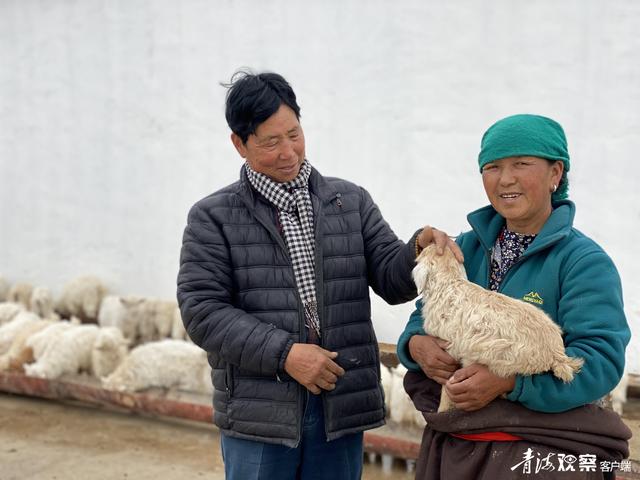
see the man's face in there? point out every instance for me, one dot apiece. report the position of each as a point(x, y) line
point(277, 147)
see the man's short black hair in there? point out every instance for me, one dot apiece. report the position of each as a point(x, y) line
point(253, 98)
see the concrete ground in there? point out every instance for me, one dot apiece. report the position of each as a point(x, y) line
point(46, 440)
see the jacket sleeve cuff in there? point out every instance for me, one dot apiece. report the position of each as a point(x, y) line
point(285, 354)
point(408, 255)
point(514, 395)
point(403, 348)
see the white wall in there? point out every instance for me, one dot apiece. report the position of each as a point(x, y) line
point(112, 125)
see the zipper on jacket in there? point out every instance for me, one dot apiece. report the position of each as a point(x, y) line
point(319, 291)
point(229, 380)
point(319, 264)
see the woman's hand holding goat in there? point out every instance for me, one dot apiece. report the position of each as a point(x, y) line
point(429, 352)
point(473, 387)
point(469, 388)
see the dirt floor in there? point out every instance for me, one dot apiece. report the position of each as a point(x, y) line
point(47, 440)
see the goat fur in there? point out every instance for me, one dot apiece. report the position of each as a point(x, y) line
point(109, 350)
point(167, 363)
point(507, 335)
point(69, 353)
point(81, 297)
point(14, 358)
point(11, 329)
point(8, 311)
point(41, 303)
point(20, 293)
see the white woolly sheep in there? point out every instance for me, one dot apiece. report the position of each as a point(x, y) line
point(70, 353)
point(177, 329)
point(4, 289)
point(402, 408)
point(41, 303)
point(386, 380)
point(109, 349)
point(507, 335)
point(8, 311)
point(38, 343)
point(142, 319)
point(167, 363)
point(16, 355)
point(155, 319)
point(81, 297)
point(116, 311)
point(9, 330)
point(20, 293)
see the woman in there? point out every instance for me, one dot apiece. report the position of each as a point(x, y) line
point(524, 246)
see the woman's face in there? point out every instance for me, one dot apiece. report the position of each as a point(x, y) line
point(520, 189)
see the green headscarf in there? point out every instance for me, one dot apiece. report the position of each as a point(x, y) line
point(527, 135)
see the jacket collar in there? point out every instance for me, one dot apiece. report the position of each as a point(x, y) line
point(486, 223)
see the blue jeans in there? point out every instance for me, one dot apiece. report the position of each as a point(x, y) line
point(314, 459)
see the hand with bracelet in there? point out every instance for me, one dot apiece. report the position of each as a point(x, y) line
point(430, 235)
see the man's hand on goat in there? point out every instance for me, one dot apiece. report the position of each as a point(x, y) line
point(430, 235)
point(473, 387)
point(313, 367)
point(429, 352)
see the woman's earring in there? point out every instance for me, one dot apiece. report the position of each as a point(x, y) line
point(553, 190)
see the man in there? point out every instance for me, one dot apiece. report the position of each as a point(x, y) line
point(274, 283)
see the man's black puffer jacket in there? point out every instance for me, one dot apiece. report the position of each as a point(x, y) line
point(239, 302)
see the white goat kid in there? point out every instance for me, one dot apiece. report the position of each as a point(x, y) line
point(38, 343)
point(70, 353)
point(154, 318)
point(402, 408)
point(11, 329)
point(507, 335)
point(167, 363)
point(177, 327)
point(20, 293)
point(386, 380)
point(41, 303)
point(9, 310)
point(109, 350)
point(81, 297)
point(14, 358)
point(116, 311)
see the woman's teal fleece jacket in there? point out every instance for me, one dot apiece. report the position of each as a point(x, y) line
point(574, 281)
